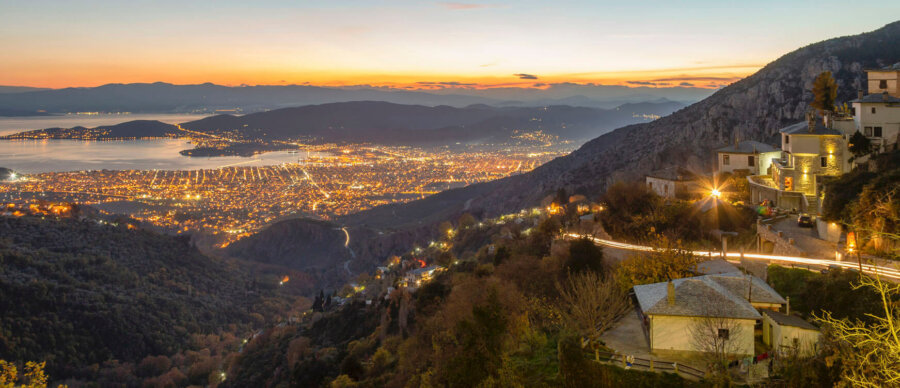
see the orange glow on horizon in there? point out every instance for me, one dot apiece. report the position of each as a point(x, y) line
point(92, 76)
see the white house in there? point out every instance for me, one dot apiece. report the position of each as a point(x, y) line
point(671, 181)
point(671, 310)
point(748, 155)
point(419, 276)
point(818, 148)
point(785, 332)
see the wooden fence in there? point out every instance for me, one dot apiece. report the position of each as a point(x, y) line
point(647, 364)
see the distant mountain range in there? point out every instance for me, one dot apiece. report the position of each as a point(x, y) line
point(209, 98)
point(19, 89)
point(751, 109)
point(386, 123)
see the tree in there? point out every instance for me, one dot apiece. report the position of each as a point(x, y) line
point(466, 221)
point(716, 335)
point(859, 145)
point(824, 92)
point(584, 255)
point(869, 353)
point(34, 375)
point(562, 197)
point(668, 260)
point(591, 303)
point(502, 253)
point(343, 381)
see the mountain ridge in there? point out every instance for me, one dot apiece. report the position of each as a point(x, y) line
point(753, 108)
point(161, 97)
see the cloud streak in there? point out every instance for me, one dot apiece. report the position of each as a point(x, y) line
point(454, 6)
point(525, 76)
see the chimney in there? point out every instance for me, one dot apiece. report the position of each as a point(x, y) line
point(859, 93)
point(828, 119)
point(670, 292)
point(788, 308)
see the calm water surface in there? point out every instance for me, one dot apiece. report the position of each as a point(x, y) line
point(10, 125)
point(35, 156)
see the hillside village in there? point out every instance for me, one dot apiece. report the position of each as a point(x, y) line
point(775, 266)
point(749, 333)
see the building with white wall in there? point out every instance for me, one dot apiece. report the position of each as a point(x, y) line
point(789, 333)
point(673, 310)
point(670, 182)
point(748, 155)
point(818, 147)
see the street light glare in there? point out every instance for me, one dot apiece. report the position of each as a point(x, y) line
point(715, 193)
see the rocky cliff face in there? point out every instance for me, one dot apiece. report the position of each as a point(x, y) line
point(751, 109)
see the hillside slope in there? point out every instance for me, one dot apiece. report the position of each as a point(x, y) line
point(76, 293)
point(388, 123)
point(751, 109)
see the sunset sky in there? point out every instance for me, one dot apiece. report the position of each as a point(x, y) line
point(403, 43)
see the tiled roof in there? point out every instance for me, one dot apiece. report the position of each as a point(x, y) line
point(673, 174)
point(877, 97)
point(760, 292)
point(802, 128)
point(790, 320)
point(747, 147)
point(717, 295)
point(716, 266)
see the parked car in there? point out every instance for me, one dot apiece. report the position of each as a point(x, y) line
point(805, 221)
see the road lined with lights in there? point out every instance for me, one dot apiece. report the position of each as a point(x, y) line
point(871, 269)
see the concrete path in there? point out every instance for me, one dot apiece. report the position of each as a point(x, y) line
point(628, 338)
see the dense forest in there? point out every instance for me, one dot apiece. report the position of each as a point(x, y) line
point(102, 302)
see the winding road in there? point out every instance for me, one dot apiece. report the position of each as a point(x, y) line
point(347, 245)
point(875, 270)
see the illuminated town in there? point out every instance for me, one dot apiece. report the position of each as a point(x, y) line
point(234, 201)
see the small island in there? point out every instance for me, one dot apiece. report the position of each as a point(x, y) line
point(237, 149)
point(205, 145)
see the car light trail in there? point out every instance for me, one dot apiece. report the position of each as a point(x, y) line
point(877, 270)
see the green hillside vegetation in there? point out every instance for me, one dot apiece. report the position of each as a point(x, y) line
point(868, 203)
point(497, 317)
point(99, 302)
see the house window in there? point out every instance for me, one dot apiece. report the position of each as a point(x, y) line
point(796, 342)
point(723, 334)
point(868, 131)
point(787, 139)
point(726, 159)
point(823, 161)
point(650, 185)
point(788, 183)
point(751, 161)
point(882, 84)
point(873, 110)
point(853, 110)
point(876, 132)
